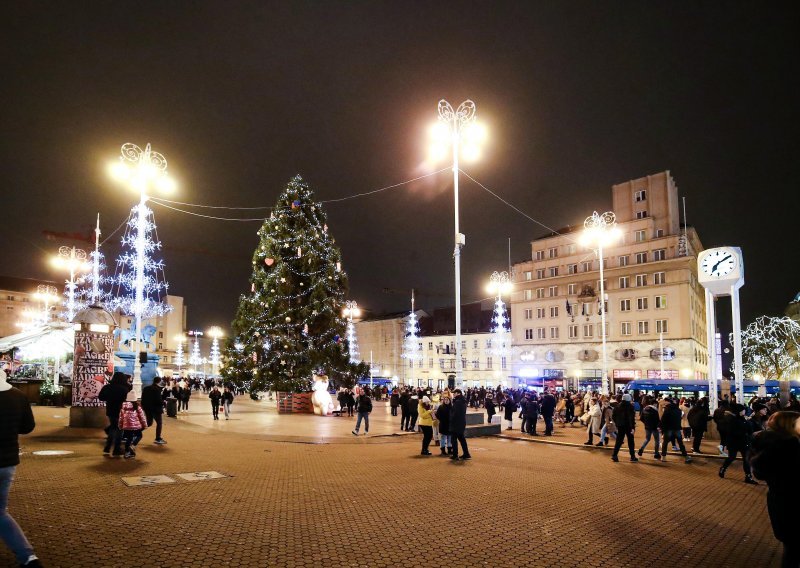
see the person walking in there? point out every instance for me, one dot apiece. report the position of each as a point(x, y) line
point(595, 417)
point(405, 419)
point(624, 417)
point(671, 429)
point(364, 406)
point(775, 459)
point(413, 411)
point(16, 417)
point(394, 401)
point(649, 418)
point(569, 410)
point(351, 402)
point(490, 408)
point(531, 414)
point(722, 426)
point(443, 416)
point(458, 424)
point(132, 422)
point(608, 428)
point(186, 394)
point(547, 408)
point(114, 394)
point(153, 406)
point(739, 434)
point(698, 417)
point(215, 397)
point(509, 407)
point(227, 401)
point(425, 424)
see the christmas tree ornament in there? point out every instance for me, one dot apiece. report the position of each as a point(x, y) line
point(295, 204)
point(253, 287)
point(288, 319)
point(269, 261)
point(283, 280)
point(338, 267)
point(299, 252)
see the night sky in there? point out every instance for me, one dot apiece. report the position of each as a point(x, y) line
point(241, 96)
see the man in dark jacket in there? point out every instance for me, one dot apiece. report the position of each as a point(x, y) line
point(671, 429)
point(649, 417)
point(443, 416)
point(412, 408)
point(624, 417)
point(114, 394)
point(510, 407)
point(698, 418)
point(718, 417)
point(363, 407)
point(548, 407)
point(404, 418)
point(531, 414)
point(739, 436)
point(15, 418)
point(394, 401)
point(458, 424)
point(153, 407)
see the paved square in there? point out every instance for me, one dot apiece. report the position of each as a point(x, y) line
point(374, 501)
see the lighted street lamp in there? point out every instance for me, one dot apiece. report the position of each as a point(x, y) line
point(215, 333)
point(74, 260)
point(601, 231)
point(143, 171)
point(457, 130)
point(350, 311)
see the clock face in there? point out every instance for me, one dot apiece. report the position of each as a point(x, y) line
point(719, 263)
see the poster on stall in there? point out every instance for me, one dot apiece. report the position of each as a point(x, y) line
point(92, 365)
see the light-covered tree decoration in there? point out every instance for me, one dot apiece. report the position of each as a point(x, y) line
point(140, 231)
point(179, 361)
point(351, 310)
point(411, 347)
point(500, 283)
point(290, 322)
point(771, 347)
point(194, 357)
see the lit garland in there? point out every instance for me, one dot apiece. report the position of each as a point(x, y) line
point(771, 347)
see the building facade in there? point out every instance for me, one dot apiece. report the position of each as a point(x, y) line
point(655, 307)
point(17, 296)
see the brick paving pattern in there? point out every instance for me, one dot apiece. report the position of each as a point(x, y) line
point(373, 501)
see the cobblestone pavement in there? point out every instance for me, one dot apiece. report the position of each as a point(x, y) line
point(373, 502)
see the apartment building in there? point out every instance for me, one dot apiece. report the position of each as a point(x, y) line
point(17, 296)
point(168, 328)
point(655, 310)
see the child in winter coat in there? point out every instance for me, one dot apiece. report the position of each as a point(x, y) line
point(131, 421)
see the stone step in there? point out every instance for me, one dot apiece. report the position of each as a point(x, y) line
point(482, 430)
point(475, 418)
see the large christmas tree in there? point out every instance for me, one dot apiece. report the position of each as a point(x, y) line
point(290, 324)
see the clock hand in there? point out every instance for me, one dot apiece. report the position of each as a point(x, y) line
point(714, 268)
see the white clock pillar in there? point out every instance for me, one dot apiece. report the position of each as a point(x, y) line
point(721, 272)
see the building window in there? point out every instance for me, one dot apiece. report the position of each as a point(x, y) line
point(640, 236)
point(660, 254)
point(644, 327)
point(641, 214)
point(641, 303)
point(539, 313)
point(572, 269)
point(552, 291)
point(476, 364)
point(503, 363)
point(430, 346)
point(553, 271)
point(528, 334)
point(528, 275)
point(572, 289)
point(586, 266)
point(661, 326)
point(659, 233)
point(624, 282)
point(625, 305)
point(488, 344)
point(553, 311)
point(430, 363)
point(452, 363)
point(572, 331)
point(463, 363)
point(641, 257)
point(488, 362)
point(553, 333)
point(160, 346)
point(623, 260)
point(528, 313)
point(640, 195)
point(625, 328)
point(572, 249)
point(528, 294)
point(540, 333)
point(600, 329)
point(474, 343)
point(441, 363)
point(539, 273)
point(661, 302)
point(660, 278)
point(588, 330)
point(641, 279)
point(539, 255)
point(552, 252)
point(539, 293)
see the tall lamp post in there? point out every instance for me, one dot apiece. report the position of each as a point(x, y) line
point(142, 171)
point(74, 260)
point(451, 127)
point(601, 230)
